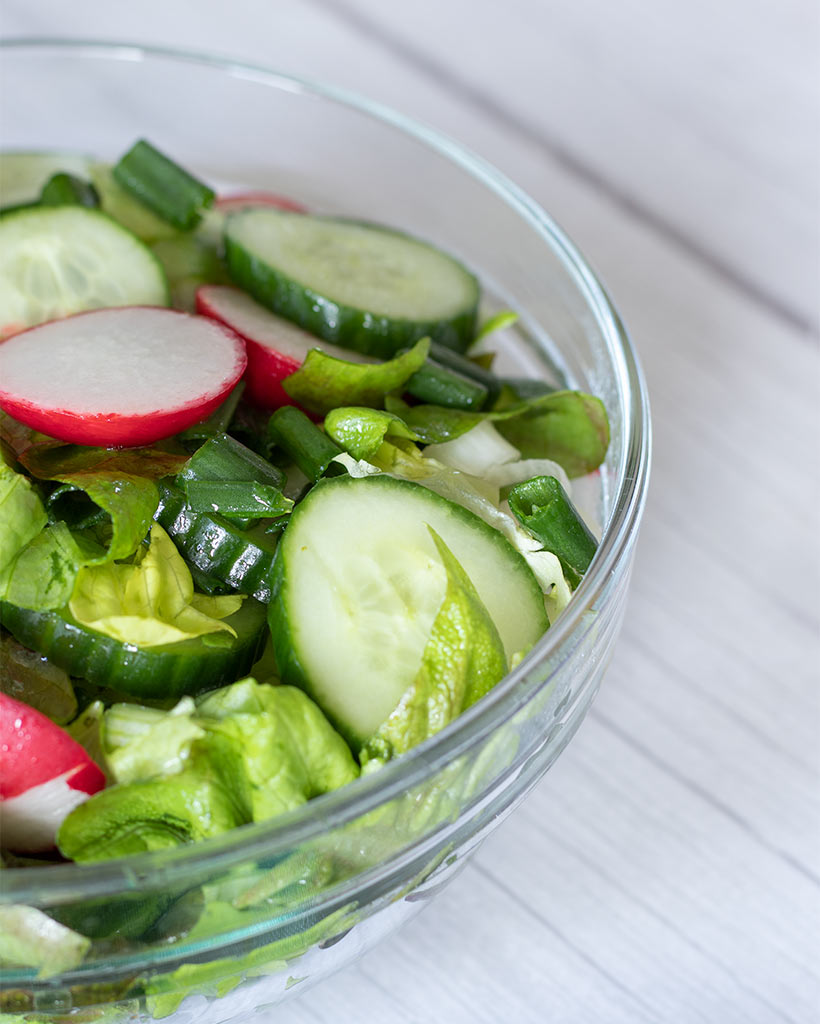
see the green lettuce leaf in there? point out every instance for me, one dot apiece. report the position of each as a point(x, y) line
point(22, 515)
point(38, 563)
point(208, 797)
point(58, 461)
point(497, 322)
point(569, 427)
point(246, 753)
point(290, 751)
point(360, 431)
point(323, 382)
point(33, 679)
point(118, 484)
point(463, 660)
point(150, 602)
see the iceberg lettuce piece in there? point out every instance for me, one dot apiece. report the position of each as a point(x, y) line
point(150, 602)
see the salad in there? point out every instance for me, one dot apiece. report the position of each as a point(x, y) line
point(268, 519)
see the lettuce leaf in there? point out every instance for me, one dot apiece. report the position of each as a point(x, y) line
point(463, 660)
point(323, 382)
point(360, 431)
point(150, 602)
point(569, 427)
point(38, 563)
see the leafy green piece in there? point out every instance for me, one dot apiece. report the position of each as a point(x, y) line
point(127, 500)
point(22, 515)
point(165, 992)
point(87, 730)
point(463, 660)
point(569, 427)
point(33, 939)
point(160, 750)
point(237, 498)
point(290, 751)
point(205, 799)
point(33, 679)
point(60, 461)
point(43, 574)
point(324, 382)
point(360, 431)
point(497, 322)
point(248, 752)
point(150, 602)
point(544, 508)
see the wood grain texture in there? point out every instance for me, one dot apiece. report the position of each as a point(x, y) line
point(668, 868)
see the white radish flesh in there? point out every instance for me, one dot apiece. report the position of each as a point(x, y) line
point(125, 376)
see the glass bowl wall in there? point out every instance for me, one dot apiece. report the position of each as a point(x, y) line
point(298, 897)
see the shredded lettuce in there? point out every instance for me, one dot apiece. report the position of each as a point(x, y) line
point(150, 602)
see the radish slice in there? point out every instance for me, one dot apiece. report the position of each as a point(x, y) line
point(276, 347)
point(119, 377)
point(242, 200)
point(45, 774)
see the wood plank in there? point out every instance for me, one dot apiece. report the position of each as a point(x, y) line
point(673, 110)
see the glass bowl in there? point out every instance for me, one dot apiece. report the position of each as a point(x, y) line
point(220, 929)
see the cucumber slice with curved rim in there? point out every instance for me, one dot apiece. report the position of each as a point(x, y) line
point(150, 673)
point(59, 260)
point(23, 174)
point(357, 585)
point(360, 285)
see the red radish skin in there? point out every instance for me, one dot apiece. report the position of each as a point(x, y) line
point(119, 377)
point(44, 774)
point(242, 200)
point(276, 347)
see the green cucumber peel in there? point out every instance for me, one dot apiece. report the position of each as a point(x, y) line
point(462, 661)
point(323, 382)
point(543, 507)
point(361, 431)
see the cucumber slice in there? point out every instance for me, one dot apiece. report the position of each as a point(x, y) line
point(59, 260)
point(359, 285)
point(357, 585)
point(153, 673)
point(22, 175)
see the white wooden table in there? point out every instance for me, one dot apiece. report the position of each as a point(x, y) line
point(672, 856)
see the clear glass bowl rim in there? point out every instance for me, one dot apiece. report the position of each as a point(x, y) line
point(67, 882)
